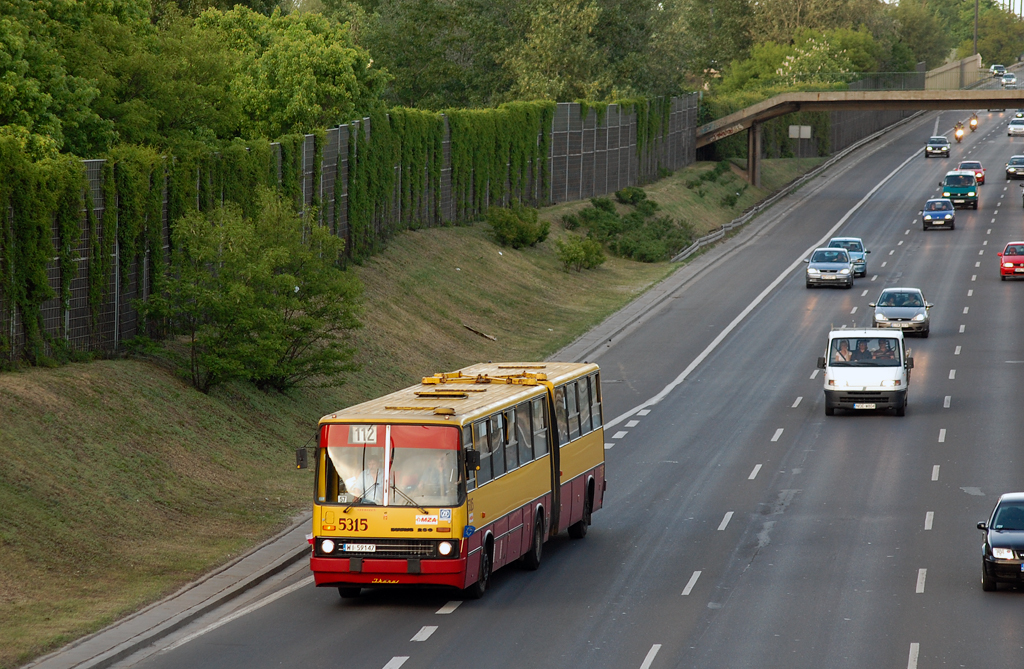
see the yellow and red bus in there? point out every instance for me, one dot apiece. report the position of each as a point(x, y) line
point(445, 482)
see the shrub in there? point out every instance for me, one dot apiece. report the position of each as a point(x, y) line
point(630, 195)
point(693, 183)
point(647, 208)
point(579, 253)
point(603, 203)
point(664, 172)
point(517, 226)
point(729, 200)
point(570, 221)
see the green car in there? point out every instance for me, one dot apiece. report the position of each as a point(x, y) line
point(961, 187)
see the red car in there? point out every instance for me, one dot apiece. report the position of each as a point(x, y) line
point(1011, 260)
point(973, 166)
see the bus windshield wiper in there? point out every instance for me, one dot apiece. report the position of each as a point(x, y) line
point(410, 500)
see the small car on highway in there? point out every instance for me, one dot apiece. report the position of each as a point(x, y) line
point(858, 254)
point(904, 309)
point(960, 187)
point(938, 213)
point(936, 146)
point(1015, 127)
point(829, 267)
point(1002, 552)
point(866, 369)
point(1015, 167)
point(1009, 78)
point(973, 166)
point(1011, 261)
point(997, 70)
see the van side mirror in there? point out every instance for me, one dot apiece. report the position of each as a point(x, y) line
point(910, 363)
point(301, 458)
point(821, 362)
point(472, 461)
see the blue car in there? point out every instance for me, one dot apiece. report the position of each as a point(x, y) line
point(938, 212)
point(858, 254)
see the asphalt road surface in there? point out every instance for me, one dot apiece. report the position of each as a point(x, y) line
point(743, 528)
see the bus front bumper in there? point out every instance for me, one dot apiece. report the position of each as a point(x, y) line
point(387, 571)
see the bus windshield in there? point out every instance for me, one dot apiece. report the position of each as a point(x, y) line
point(420, 465)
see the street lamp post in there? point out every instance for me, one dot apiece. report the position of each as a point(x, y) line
point(975, 27)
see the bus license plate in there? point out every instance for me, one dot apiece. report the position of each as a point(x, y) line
point(864, 405)
point(359, 548)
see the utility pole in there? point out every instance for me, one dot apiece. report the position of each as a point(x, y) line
point(975, 27)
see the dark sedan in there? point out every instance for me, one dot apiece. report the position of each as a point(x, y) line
point(1002, 553)
point(1015, 167)
point(936, 146)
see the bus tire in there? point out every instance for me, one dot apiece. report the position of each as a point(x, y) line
point(578, 530)
point(477, 590)
point(532, 558)
point(349, 592)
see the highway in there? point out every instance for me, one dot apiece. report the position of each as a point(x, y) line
point(741, 527)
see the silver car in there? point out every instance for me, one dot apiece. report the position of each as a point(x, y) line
point(1009, 78)
point(829, 267)
point(903, 308)
point(1015, 127)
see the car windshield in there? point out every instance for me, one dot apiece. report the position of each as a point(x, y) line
point(900, 299)
point(1009, 517)
point(864, 352)
point(1014, 250)
point(830, 256)
point(970, 166)
point(1017, 161)
point(937, 140)
point(938, 205)
point(420, 465)
point(958, 181)
point(1017, 121)
point(848, 244)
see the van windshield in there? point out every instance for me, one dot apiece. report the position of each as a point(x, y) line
point(865, 352)
point(958, 181)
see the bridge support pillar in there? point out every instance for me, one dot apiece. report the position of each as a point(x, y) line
point(754, 155)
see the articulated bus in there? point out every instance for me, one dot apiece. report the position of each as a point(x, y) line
point(442, 483)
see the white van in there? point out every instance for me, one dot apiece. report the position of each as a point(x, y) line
point(866, 369)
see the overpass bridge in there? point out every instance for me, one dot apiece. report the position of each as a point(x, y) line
point(751, 118)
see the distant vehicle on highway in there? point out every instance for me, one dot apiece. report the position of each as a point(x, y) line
point(1015, 127)
point(903, 309)
point(1015, 167)
point(997, 70)
point(1002, 553)
point(1019, 113)
point(1011, 261)
point(858, 254)
point(937, 145)
point(1009, 78)
point(829, 267)
point(866, 369)
point(961, 187)
point(973, 166)
point(938, 212)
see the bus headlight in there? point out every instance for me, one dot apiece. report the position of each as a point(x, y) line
point(327, 546)
point(445, 548)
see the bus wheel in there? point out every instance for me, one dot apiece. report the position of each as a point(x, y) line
point(578, 530)
point(348, 593)
point(532, 558)
point(477, 590)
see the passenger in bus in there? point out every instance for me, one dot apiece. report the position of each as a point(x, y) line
point(368, 486)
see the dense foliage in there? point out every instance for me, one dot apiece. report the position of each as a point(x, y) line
point(638, 234)
point(517, 226)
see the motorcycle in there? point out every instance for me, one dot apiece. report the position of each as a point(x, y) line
point(974, 123)
point(959, 134)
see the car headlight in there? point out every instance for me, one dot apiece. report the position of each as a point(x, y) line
point(327, 546)
point(949, 216)
point(1002, 553)
point(1011, 169)
point(811, 270)
point(945, 195)
point(927, 217)
point(891, 384)
point(971, 194)
point(445, 548)
point(918, 318)
point(1007, 264)
point(845, 270)
point(880, 317)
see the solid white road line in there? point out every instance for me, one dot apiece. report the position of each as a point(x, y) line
point(424, 633)
point(921, 575)
point(632, 423)
point(929, 518)
point(396, 662)
point(945, 402)
point(778, 433)
point(797, 402)
point(942, 436)
point(935, 472)
point(915, 650)
point(452, 605)
point(760, 298)
point(725, 521)
point(650, 656)
point(241, 612)
point(692, 582)
point(753, 474)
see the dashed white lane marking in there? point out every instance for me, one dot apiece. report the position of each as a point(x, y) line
point(632, 423)
point(967, 310)
point(929, 518)
point(452, 605)
point(952, 374)
point(921, 575)
point(942, 436)
point(396, 662)
point(874, 276)
point(989, 231)
point(974, 277)
point(935, 472)
point(424, 633)
point(864, 293)
point(814, 374)
point(893, 251)
point(977, 264)
point(915, 650)
point(981, 252)
point(797, 402)
point(650, 656)
point(643, 412)
point(608, 445)
point(907, 231)
point(854, 310)
point(753, 474)
point(778, 433)
point(962, 328)
point(956, 351)
point(884, 264)
point(620, 434)
point(241, 612)
point(970, 293)
point(725, 522)
point(946, 400)
point(692, 582)
point(985, 243)
point(899, 244)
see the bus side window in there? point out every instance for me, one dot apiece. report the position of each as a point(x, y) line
point(512, 444)
point(585, 405)
point(467, 444)
point(595, 400)
point(524, 435)
point(560, 418)
point(540, 426)
point(497, 423)
point(480, 443)
point(573, 410)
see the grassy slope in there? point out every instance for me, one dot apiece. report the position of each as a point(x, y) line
point(119, 483)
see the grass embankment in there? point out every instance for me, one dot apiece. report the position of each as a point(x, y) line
point(119, 482)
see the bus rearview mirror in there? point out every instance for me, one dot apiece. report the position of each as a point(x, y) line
point(301, 458)
point(472, 460)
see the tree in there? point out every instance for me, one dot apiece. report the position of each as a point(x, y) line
point(779, 20)
point(1000, 38)
point(922, 32)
